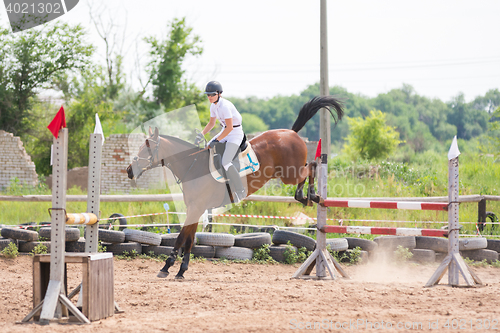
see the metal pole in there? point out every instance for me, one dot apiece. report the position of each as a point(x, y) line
point(453, 247)
point(324, 129)
point(94, 189)
point(51, 306)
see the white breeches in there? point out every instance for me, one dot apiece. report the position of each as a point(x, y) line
point(233, 143)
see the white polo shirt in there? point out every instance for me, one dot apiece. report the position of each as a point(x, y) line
point(223, 110)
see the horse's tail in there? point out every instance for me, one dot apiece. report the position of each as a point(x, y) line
point(311, 108)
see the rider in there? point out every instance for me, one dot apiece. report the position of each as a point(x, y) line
point(231, 133)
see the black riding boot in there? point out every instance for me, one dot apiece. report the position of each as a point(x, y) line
point(235, 183)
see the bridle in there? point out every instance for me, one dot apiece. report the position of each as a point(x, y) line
point(150, 159)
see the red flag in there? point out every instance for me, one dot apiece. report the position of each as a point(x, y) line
point(58, 122)
point(318, 150)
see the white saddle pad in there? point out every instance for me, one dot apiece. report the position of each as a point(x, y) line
point(248, 163)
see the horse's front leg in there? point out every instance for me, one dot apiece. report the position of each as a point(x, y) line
point(180, 241)
point(188, 245)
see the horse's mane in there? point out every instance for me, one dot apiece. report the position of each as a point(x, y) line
point(179, 141)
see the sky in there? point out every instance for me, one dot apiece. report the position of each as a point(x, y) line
point(268, 48)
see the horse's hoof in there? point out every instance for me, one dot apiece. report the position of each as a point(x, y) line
point(162, 274)
point(179, 277)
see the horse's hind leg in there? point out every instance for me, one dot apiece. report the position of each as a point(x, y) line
point(181, 240)
point(311, 193)
point(299, 193)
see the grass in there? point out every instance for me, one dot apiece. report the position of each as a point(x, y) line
point(426, 176)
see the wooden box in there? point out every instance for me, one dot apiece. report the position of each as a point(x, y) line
point(97, 285)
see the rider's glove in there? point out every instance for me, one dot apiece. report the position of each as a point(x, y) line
point(212, 143)
point(199, 138)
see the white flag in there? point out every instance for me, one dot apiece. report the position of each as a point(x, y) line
point(453, 152)
point(98, 128)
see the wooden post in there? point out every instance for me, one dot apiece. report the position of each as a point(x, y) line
point(481, 211)
point(453, 262)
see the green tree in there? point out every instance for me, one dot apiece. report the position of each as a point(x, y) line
point(253, 124)
point(165, 65)
point(29, 60)
point(492, 136)
point(87, 95)
point(469, 122)
point(371, 138)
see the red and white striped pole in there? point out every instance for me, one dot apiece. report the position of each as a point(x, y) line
point(412, 205)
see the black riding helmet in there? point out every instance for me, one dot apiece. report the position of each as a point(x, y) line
point(213, 87)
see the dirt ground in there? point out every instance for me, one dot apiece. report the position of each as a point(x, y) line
point(217, 297)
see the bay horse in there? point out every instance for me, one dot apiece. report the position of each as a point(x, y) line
point(280, 152)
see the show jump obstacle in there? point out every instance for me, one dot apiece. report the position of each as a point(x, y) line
point(452, 262)
point(49, 271)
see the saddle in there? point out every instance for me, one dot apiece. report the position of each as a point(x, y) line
point(245, 161)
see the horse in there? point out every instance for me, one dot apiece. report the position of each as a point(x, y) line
point(281, 153)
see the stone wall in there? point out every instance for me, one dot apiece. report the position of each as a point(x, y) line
point(117, 154)
point(15, 162)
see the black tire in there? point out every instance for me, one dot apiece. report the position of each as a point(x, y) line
point(215, 239)
point(143, 237)
point(27, 247)
point(20, 234)
point(493, 244)
point(392, 242)
point(364, 244)
point(169, 239)
point(269, 229)
point(111, 236)
point(363, 256)
point(72, 234)
point(118, 249)
point(493, 219)
point(244, 229)
point(436, 244)
point(277, 252)
point(297, 240)
point(157, 250)
point(348, 254)
point(440, 256)
point(204, 251)
point(76, 246)
point(337, 244)
point(480, 255)
point(467, 244)
point(122, 221)
point(423, 256)
point(234, 253)
point(252, 240)
point(4, 242)
point(175, 228)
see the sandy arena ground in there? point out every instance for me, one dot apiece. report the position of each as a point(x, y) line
point(262, 298)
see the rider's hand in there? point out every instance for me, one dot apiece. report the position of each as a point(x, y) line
point(212, 143)
point(199, 138)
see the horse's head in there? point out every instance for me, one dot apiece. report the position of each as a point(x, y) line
point(147, 157)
